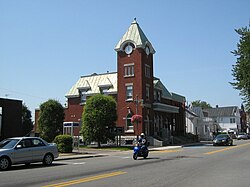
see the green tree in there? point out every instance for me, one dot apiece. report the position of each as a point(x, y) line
point(99, 118)
point(241, 69)
point(27, 124)
point(202, 104)
point(50, 122)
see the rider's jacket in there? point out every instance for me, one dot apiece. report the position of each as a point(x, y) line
point(142, 141)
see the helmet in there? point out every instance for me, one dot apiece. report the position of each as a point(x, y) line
point(142, 134)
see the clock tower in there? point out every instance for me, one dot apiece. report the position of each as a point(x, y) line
point(135, 92)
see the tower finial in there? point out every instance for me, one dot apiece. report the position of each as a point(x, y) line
point(134, 22)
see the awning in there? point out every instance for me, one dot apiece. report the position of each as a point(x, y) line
point(165, 108)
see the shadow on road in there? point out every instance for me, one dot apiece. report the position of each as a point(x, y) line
point(31, 166)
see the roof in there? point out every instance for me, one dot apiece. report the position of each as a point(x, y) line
point(135, 35)
point(166, 94)
point(92, 84)
point(222, 111)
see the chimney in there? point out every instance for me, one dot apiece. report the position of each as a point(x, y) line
point(217, 106)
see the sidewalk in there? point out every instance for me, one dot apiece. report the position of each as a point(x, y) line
point(93, 153)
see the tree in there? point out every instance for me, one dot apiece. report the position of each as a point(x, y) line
point(27, 124)
point(50, 122)
point(241, 69)
point(99, 118)
point(202, 104)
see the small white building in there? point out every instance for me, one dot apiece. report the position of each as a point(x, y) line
point(198, 123)
point(228, 118)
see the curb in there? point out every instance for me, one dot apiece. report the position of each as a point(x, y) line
point(78, 157)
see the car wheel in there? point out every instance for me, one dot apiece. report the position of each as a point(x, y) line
point(4, 163)
point(48, 159)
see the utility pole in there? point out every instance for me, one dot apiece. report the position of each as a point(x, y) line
point(137, 101)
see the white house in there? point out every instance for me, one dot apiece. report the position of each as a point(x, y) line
point(228, 118)
point(198, 123)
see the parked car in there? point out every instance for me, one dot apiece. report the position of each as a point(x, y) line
point(242, 135)
point(223, 139)
point(248, 136)
point(26, 150)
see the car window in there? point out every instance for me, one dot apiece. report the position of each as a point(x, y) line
point(37, 142)
point(222, 136)
point(8, 143)
point(25, 143)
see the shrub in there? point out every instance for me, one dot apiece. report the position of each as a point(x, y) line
point(64, 143)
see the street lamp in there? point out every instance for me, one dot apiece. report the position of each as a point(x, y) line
point(137, 117)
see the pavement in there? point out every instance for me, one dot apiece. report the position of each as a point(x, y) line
point(93, 153)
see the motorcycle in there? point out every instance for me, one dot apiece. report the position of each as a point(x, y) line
point(140, 151)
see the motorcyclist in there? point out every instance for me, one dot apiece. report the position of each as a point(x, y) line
point(142, 141)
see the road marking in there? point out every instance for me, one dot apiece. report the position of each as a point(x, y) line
point(87, 179)
point(167, 151)
point(79, 163)
point(225, 149)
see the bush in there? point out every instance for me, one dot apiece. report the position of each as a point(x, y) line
point(64, 143)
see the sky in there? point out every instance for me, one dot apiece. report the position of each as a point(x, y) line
point(46, 45)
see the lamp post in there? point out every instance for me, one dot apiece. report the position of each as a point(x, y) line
point(137, 101)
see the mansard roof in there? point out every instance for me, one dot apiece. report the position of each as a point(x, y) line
point(136, 36)
point(92, 84)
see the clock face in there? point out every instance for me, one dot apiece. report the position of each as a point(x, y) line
point(128, 49)
point(147, 50)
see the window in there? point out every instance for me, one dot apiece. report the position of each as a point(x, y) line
point(128, 122)
point(129, 92)
point(128, 70)
point(104, 90)
point(37, 142)
point(157, 95)
point(232, 120)
point(83, 96)
point(147, 91)
point(147, 71)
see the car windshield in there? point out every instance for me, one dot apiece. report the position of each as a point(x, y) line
point(8, 143)
point(222, 136)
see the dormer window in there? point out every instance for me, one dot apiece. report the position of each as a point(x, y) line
point(83, 94)
point(104, 90)
point(105, 85)
point(157, 95)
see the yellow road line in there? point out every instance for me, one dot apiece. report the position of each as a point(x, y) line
point(225, 149)
point(87, 179)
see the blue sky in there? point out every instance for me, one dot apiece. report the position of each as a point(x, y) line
point(46, 45)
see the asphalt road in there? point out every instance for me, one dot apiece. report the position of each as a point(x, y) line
point(195, 166)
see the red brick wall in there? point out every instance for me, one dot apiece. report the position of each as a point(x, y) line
point(139, 58)
point(74, 111)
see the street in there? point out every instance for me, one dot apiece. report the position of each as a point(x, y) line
point(194, 166)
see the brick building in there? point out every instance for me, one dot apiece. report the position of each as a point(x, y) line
point(136, 90)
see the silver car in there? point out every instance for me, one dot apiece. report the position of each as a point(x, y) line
point(242, 135)
point(26, 150)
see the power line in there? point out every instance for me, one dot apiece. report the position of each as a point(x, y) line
point(20, 93)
